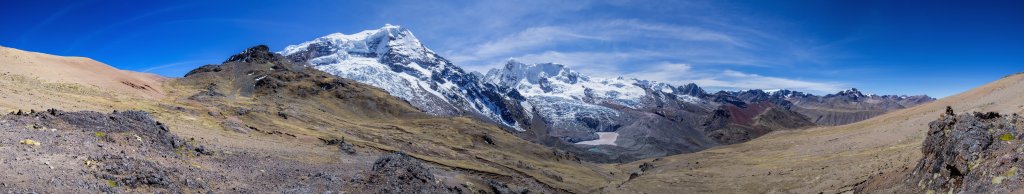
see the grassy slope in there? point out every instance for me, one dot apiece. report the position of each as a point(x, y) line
point(450, 142)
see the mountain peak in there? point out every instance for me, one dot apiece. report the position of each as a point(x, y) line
point(851, 92)
point(512, 63)
point(396, 31)
point(393, 59)
point(390, 39)
point(534, 73)
point(692, 89)
point(253, 54)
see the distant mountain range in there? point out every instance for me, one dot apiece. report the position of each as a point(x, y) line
point(225, 126)
point(551, 104)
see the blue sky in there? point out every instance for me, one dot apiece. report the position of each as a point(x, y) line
point(886, 47)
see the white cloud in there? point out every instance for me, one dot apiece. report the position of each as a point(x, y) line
point(679, 74)
point(700, 44)
point(528, 39)
point(669, 73)
point(735, 80)
point(634, 28)
point(609, 65)
point(177, 68)
point(605, 64)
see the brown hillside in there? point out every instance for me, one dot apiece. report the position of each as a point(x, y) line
point(79, 70)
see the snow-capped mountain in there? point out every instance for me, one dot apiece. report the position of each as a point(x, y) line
point(648, 118)
point(393, 59)
point(568, 99)
point(555, 80)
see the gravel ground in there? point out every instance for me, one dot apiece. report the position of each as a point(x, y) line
point(129, 152)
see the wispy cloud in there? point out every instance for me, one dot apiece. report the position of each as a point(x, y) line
point(679, 74)
point(610, 65)
point(528, 39)
point(674, 42)
point(177, 68)
point(625, 34)
point(635, 28)
point(606, 64)
point(730, 79)
point(88, 37)
point(50, 19)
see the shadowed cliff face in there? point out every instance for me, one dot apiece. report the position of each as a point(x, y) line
point(737, 123)
point(969, 153)
point(258, 73)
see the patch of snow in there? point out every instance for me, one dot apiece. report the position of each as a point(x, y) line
point(690, 99)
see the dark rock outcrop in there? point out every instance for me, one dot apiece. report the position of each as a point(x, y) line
point(692, 89)
point(256, 54)
point(400, 173)
point(972, 153)
point(257, 72)
point(138, 123)
point(965, 153)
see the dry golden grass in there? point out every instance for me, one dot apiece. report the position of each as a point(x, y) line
point(452, 142)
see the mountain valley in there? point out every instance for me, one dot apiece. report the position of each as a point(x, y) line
point(378, 112)
point(553, 105)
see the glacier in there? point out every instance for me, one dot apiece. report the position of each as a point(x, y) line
point(393, 59)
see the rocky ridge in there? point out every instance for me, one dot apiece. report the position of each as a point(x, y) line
point(963, 153)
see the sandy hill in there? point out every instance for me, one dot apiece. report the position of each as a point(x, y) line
point(826, 159)
point(79, 70)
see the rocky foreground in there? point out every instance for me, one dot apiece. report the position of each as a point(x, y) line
point(84, 152)
point(963, 153)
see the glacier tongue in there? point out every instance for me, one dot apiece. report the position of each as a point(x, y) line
point(556, 80)
point(570, 101)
